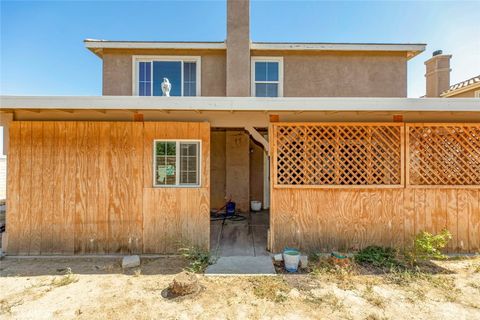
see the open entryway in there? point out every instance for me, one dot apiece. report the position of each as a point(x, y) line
point(239, 192)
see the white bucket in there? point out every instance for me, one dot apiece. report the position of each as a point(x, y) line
point(291, 258)
point(255, 205)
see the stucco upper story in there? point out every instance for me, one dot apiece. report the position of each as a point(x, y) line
point(238, 67)
point(305, 70)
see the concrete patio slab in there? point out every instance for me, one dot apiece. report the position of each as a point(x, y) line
point(242, 266)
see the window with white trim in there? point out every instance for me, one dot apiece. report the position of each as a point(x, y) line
point(267, 77)
point(182, 72)
point(176, 163)
point(477, 94)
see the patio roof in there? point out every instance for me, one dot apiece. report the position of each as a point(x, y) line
point(239, 103)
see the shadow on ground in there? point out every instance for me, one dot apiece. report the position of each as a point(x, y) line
point(25, 267)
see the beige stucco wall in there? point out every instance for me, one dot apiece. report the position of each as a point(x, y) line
point(346, 74)
point(238, 48)
point(256, 171)
point(217, 169)
point(117, 70)
point(307, 74)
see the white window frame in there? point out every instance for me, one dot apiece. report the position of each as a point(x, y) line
point(477, 94)
point(177, 164)
point(182, 59)
point(280, 73)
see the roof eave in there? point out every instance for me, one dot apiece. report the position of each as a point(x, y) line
point(241, 103)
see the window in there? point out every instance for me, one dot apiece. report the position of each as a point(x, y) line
point(267, 75)
point(176, 163)
point(182, 72)
point(477, 94)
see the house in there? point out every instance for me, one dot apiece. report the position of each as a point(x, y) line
point(321, 133)
point(438, 80)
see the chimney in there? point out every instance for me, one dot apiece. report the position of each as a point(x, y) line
point(238, 48)
point(437, 74)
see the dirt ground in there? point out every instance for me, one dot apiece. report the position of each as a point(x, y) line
point(97, 288)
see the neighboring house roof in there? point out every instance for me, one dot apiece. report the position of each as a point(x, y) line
point(463, 86)
point(238, 103)
point(412, 49)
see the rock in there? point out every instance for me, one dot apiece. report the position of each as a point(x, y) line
point(130, 262)
point(278, 257)
point(184, 283)
point(303, 262)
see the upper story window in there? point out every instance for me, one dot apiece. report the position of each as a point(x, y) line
point(267, 76)
point(477, 94)
point(182, 72)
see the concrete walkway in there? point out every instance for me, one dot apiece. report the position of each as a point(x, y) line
point(242, 265)
point(240, 247)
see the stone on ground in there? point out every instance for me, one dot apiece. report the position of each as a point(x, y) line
point(184, 283)
point(130, 262)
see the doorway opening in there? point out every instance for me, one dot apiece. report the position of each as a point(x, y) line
point(239, 171)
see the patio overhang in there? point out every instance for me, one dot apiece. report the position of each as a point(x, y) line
point(240, 104)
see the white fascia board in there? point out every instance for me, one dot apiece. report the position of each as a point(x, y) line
point(240, 103)
point(412, 49)
point(94, 44)
point(338, 46)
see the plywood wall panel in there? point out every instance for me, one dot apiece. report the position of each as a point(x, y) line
point(323, 220)
point(36, 219)
point(70, 188)
point(86, 188)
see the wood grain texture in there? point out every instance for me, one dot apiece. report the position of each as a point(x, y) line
point(86, 188)
point(319, 219)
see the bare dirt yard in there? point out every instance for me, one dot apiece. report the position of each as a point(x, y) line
point(97, 288)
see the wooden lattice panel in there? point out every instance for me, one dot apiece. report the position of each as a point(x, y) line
point(443, 154)
point(329, 154)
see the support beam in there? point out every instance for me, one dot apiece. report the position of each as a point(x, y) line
point(259, 138)
point(5, 119)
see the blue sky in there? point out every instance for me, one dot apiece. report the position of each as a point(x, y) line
point(42, 52)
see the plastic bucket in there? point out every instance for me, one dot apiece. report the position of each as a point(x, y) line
point(255, 205)
point(230, 210)
point(291, 258)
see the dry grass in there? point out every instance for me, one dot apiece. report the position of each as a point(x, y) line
point(271, 288)
point(65, 280)
point(373, 298)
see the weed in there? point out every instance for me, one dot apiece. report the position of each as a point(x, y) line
point(198, 258)
point(476, 268)
point(402, 277)
point(6, 306)
point(374, 316)
point(67, 279)
point(373, 298)
point(475, 285)
point(380, 257)
point(427, 246)
point(271, 288)
point(328, 299)
point(446, 285)
point(137, 272)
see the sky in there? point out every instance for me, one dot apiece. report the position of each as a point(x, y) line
point(42, 50)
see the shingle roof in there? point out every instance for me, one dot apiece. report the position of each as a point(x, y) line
point(462, 85)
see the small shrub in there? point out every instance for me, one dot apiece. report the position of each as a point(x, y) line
point(427, 246)
point(198, 258)
point(380, 257)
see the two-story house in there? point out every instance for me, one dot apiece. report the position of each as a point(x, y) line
point(321, 133)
